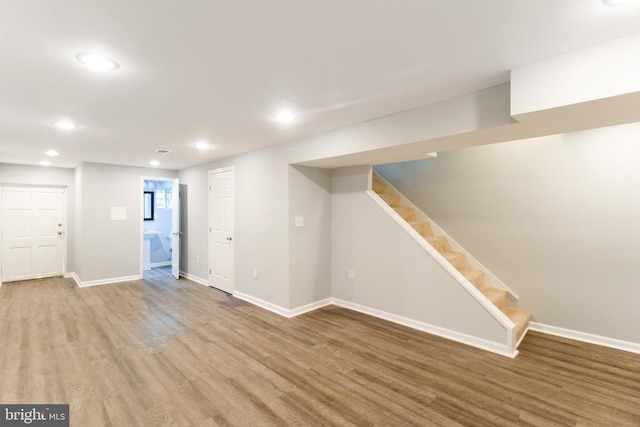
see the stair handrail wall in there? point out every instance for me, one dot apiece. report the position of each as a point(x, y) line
point(509, 326)
point(490, 279)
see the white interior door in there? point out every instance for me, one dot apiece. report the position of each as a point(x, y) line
point(32, 233)
point(221, 260)
point(175, 229)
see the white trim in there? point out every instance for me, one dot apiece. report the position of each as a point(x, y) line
point(195, 279)
point(160, 264)
point(82, 284)
point(629, 346)
point(263, 304)
point(493, 347)
point(310, 307)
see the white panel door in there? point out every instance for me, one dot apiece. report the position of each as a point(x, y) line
point(32, 233)
point(175, 229)
point(221, 260)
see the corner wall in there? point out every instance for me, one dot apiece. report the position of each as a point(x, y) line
point(110, 250)
point(555, 218)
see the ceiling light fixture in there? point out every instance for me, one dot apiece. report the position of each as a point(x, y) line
point(285, 117)
point(51, 153)
point(202, 145)
point(45, 163)
point(65, 125)
point(154, 163)
point(615, 2)
point(97, 62)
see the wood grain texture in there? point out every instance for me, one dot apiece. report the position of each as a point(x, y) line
point(160, 351)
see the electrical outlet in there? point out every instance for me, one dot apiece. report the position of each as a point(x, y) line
point(255, 273)
point(350, 273)
point(197, 259)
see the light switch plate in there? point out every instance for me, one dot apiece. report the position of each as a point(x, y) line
point(299, 221)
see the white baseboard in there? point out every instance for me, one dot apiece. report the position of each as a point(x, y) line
point(493, 347)
point(195, 279)
point(310, 307)
point(585, 337)
point(160, 264)
point(89, 283)
point(490, 346)
point(262, 304)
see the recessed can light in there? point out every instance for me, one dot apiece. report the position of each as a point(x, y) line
point(202, 145)
point(285, 117)
point(65, 125)
point(615, 2)
point(97, 62)
point(154, 163)
point(51, 153)
point(45, 163)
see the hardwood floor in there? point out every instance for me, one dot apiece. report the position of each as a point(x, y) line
point(166, 352)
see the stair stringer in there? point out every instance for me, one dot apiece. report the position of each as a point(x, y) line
point(510, 328)
point(482, 300)
point(491, 280)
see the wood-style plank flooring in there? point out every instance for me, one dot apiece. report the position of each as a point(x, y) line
point(160, 352)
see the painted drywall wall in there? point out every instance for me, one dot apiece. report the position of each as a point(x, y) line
point(11, 174)
point(310, 239)
point(555, 218)
point(110, 249)
point(605, 70)
point(261, 237)
point(391, 272)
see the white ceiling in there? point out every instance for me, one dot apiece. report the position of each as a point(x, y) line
point(220, 70)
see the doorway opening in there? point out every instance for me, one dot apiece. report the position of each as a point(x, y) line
point(160, 228)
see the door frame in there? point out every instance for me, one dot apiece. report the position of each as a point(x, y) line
point(212, 172)
point(141, 227)
point(65, 219)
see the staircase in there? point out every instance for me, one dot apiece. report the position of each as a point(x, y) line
point(498, 297)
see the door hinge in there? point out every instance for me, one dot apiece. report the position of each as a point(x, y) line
point(209, 229)
point(209, 272)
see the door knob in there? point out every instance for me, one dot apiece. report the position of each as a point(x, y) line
point(229, 238)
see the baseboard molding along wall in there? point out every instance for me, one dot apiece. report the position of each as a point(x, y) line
point(89, 283)
point(196, 279)
point(586, 337)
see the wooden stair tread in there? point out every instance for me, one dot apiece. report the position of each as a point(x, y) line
point(380, 187)
point(498, 297)
point(473, 275)
point(441, 243)
point(422, 227)
point(457, 259)
point(408, 214)
point(392, 200)
point(519, 317)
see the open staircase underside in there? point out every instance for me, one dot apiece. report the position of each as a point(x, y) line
point(498, 297)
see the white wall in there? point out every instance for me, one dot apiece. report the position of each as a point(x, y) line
point(11, 174)
point(555, 218)
point(110, 249)
point(261, 239)
point(309, 245)
point(392, 273)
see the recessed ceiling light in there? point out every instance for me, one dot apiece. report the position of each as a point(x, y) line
point(154, 163)
point(51, 153)
point(65, 125)
point(285, 117)
point(45, 163)
point(97, 62)
point(615, 2)
point(202, 145)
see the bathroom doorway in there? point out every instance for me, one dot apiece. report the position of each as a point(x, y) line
point(160, 228)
